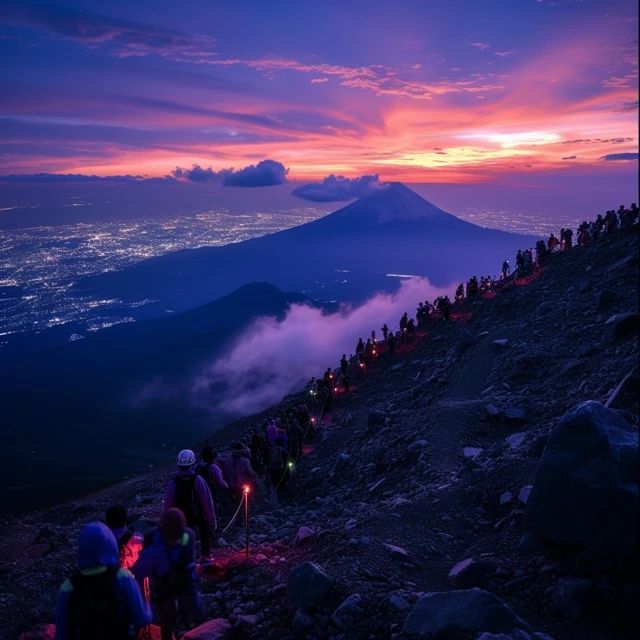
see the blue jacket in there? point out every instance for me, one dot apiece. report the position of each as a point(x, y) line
point(157, 558)
point(97, 552)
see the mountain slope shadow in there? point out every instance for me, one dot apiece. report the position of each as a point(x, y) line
point(76, 409)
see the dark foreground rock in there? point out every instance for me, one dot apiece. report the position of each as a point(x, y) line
point(585, 491)
point(468, 609)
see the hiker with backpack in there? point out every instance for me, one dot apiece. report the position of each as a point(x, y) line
point(278, 472)
point(190, 493)
point(238, 470)
point(101, 601)
point(129, 542)
point(168, 561)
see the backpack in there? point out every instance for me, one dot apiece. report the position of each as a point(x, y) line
point(205, 472)
point(276, 457)
point(178, 578)
point(185, 498)
point(94, 611)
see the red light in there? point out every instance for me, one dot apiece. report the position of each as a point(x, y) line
point(245, 488)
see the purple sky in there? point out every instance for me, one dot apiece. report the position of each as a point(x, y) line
point(492, 92)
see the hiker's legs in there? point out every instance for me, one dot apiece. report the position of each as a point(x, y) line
point(189, 605)
point(168, 616)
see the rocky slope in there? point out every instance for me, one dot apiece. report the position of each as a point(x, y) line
point(412, 504)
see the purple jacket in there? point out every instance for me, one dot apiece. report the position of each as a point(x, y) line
point(238, 471)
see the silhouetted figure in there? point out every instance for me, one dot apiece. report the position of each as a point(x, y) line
point(385, 331)
point(391, 343)
point(460, 293)
point(552, 243)
point(344, 364)
point(360, 347)
point(506, 269)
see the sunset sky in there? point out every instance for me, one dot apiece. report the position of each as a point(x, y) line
point(424, 91)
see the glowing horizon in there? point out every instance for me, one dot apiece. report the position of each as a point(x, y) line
point(413, 93)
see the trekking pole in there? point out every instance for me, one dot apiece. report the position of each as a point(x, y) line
point(246, 518)
point(147, 599)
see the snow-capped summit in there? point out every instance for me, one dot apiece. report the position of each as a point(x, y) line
point(392, 201)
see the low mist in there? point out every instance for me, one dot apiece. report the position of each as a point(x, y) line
point(274, 358)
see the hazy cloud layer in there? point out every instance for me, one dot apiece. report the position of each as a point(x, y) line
point(272, 359)
point(334, 188)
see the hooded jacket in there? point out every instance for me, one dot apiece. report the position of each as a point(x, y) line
point(97, 552)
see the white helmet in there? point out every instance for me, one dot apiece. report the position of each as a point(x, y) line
point(186, 458)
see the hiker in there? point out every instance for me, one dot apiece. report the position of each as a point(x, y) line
point(360, 347)
point(344, 365)
point(212, 474)
point(238, 470)
point(506, 269)
point(385, 331)
point(460, 293)
point(278, 467)
point(444, 307)
point(190, 493)
point(552, 243)
point(346, 383)
point(411, 328)
point(129, 543)
point(404, 321)
point(168, 560)
point(100, 601)
point(368, 353)
point(257, 446)
point(391, 343)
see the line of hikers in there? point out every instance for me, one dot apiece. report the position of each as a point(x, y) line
point(122, 576)
point(586, 233)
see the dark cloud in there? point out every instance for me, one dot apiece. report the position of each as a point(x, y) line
point(264, 174)
point(127, 38)
point(569, 157)
point(195, 174)
point(334, 188)
point(621, 156)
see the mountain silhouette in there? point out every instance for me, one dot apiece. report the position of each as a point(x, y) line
point(346, 256)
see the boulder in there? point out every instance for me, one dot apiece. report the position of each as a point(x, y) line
point(492, 411)
point(308, 584)
point(515, 440)
point(515, 414)
point(619, 326)
point(572, 596)
point(304, 534)
point(398, 603)
point(471, 452)
point(506, 498)
point(468, 609)
point(470, 573)
point(501, 342)
point(215, 629)
point(524, 493)
point(585, 490)
point(344, 615)
point(301, 623)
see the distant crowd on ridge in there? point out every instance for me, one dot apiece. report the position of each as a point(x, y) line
point(124, 579)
